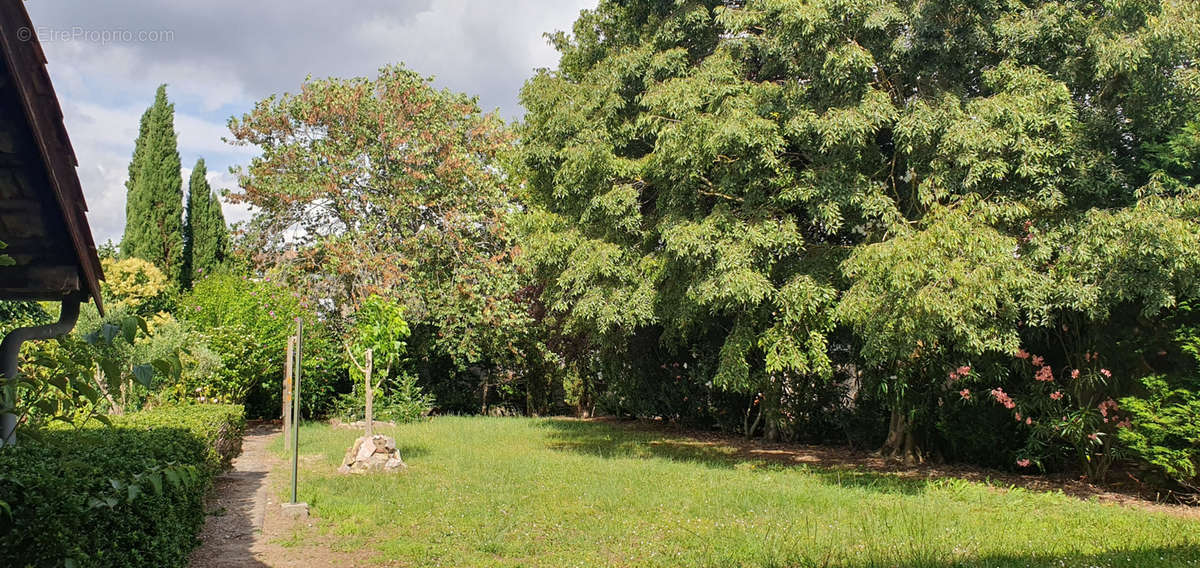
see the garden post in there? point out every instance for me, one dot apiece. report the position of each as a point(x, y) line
point(296, 406)
point(286, 414)
point(370, 395)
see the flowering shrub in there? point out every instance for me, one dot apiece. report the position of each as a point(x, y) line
point(1068, 409)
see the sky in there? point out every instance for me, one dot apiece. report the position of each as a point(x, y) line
point(220, 56)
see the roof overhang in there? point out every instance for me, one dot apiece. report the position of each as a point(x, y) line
point(43, 215)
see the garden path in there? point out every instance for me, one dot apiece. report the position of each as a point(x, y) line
point(245, 527)
point(233, 530)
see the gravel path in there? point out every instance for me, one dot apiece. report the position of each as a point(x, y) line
point(233, 534)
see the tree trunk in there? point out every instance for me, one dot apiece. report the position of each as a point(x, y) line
point(747, 426)
point(772, 402)
point(116, 408)
point(901, 444)
point(483, 407)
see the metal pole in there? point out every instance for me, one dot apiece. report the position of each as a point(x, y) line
point(296, 407)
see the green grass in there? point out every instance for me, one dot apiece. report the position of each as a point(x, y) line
point(532, 492)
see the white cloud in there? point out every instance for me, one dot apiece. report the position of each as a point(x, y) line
point(222, 55)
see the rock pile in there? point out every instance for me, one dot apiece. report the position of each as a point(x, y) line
point(372, 453)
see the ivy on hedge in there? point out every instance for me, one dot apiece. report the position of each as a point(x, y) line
point(127, 495)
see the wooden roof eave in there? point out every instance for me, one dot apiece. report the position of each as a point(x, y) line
point(27, 63)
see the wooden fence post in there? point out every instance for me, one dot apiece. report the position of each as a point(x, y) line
point(287, 389)
point(370, 394)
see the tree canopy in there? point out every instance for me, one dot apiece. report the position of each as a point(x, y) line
point(388, 186)
point(933, 175)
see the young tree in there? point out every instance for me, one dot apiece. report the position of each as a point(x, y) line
point(205, 236)
point(154, 204)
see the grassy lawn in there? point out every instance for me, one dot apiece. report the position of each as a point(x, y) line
point(537, 492)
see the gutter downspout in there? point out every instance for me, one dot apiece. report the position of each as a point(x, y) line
point(10, 348)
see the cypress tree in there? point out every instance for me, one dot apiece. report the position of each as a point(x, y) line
point(205, 235)
point(133, 201)
point(218, 233)
point(154, 208)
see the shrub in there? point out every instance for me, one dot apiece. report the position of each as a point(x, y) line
point(135, 284)
point(1165, 434)
point(247, 322)
point(127, 495)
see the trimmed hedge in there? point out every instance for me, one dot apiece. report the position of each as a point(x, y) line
point(127, 495)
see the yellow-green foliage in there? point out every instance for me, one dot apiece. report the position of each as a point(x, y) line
point(132, 281)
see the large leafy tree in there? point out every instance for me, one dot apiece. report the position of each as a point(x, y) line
point(154, 203)
point(700, 166)
point(205, 236)
point(388, 186)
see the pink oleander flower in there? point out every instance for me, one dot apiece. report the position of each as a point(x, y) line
point(1056, 395)
point(1038, 360)
point(1028, 421)
point(1095, 436)
point(965, 393)
point(964, 370)
point(1087, 356)
point(1106, 372)
point(1074, 373)
point(1107, 406)
point(1022, 354)
point(1023, 462)
point(953, 376)
point(1017, 416)
point(1000, 396)
point(1045, 374)
point(1124, 423)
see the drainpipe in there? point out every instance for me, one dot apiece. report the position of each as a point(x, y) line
point(11, 347)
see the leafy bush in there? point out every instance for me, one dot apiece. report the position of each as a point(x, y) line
point(87, 374)
point(247, 322)
point(127, 495)
point(398, 399)
point(1165, 432)
point(135, 284)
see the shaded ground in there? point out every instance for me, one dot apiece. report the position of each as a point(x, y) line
point(852, 466)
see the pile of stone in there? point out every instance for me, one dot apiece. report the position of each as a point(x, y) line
point(372, 453)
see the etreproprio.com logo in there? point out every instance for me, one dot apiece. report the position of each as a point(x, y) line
point(94, 35)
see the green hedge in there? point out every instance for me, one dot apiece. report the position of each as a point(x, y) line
point(129, 495)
